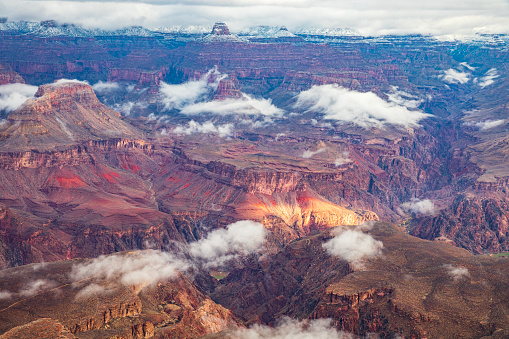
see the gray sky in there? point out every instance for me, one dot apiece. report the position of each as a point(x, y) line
point(438, 17)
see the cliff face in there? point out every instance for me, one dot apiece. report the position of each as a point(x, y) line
point(411, 290)
point(475, 223)
point(63, 114)
point(8, 76)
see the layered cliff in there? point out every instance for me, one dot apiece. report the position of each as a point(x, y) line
point(61, 114)
point(475, 223)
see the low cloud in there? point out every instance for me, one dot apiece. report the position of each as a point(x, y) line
point(245, 105)
point(353, 245)
point(90, 290)
point(363, 109)
point(193, 98)
point(67, 81)
point(308, 154)
point(194, 127)
point(242, 237)
point(292, 329)
point(457, 272)
point(343, 159)
point(105, 87)
point(486, 124)
point(127, 108)
point(13, 96)
point(137, 268)
point(488, 78)
point(467, 66)
point(185, 94)
point(144, 268)
point(452, 76)
point(33, 287)
point(417, 206)
point(5, 295)
point(403, 98)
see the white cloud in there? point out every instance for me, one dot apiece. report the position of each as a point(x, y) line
point(105, 87)
point(486, 124)
point(343, 159)
point(467, 66)
point(292, 329)
point(308, 153)
point(245, 105)
point(353, 245)
point(403, 98)
point(137, 268)
point(457, 273)
point(13, 96)
point(128, 107)
point(488, 78)
point(33, 287)
point(363, 109)
point(188, 93)
point(452, 76)
point(147, 267)
point(67, 81)
point(220, 246)
point(426, 207)
point(92, 289)
point(194, 127)
point(5, 295)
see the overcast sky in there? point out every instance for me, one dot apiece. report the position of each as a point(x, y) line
point(437, 17)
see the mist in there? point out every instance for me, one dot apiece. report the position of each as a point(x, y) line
point(292, 329)
point(13, 96)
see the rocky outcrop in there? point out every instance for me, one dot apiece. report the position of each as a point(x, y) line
point(63, 114)
point(220, 28)
point(8, 76)
point(228, 88)
point(475, 223)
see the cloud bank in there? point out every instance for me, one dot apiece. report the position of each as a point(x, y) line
point(137, 268)
point(144, 268)
point(403, 98)
point(363, 109)
point(452, 76)
point(242, 237)
point(105, 87)
point(185, 94)
point(367, 16)
point(245, 105)
point(486, 124)
point(488, 78)
point(417, 206)
point(31, 288)
point(193, 98)
point(292, 329)
point(353, 245)
point(13, 96)
point(194, 127)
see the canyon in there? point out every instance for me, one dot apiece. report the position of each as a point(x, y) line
point(133, 144)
